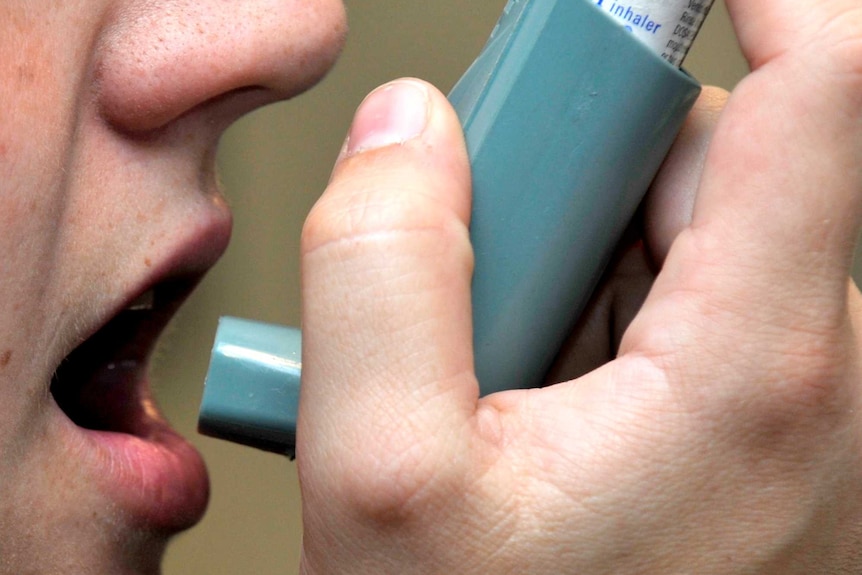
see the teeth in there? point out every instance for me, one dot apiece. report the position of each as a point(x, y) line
point(143, 302)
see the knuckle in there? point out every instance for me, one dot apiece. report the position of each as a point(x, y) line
point(344, 215)
point(359, 211)
point(394, 486)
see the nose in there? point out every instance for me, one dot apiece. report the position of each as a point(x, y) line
point(158, 61)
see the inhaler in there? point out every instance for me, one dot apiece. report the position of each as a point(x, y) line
point(568, 113)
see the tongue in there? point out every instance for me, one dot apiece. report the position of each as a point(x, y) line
point(100, 385)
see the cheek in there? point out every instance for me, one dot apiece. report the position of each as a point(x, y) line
point(27, 73)
point(43, 58)
point(41, 66)
point(29, 90)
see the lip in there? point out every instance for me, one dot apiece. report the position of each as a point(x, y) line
point(130, 454)
point(160, 481)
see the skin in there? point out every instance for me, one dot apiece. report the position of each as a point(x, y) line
point(719, 434)
point(111, 115)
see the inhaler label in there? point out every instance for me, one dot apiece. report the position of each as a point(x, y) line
point(668, 27)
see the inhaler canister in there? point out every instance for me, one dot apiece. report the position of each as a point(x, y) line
point(667, 27)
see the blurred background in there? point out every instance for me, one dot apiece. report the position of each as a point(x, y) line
point(274, 164)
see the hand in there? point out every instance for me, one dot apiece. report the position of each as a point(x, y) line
point(723, 438)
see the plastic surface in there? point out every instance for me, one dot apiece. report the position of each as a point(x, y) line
point(251, 395)
point(567, 119)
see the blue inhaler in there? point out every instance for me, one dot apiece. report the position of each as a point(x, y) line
point(568, 117)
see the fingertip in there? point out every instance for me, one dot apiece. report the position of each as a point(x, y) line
point(400, 112)
point(405, 135)
point(391, 114)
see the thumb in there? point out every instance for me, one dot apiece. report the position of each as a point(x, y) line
point(386, 264)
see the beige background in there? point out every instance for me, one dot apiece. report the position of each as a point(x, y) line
point(274, 165)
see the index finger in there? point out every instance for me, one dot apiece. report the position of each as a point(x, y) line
point(779, 197)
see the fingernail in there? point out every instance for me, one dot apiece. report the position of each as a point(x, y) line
point(392, 114)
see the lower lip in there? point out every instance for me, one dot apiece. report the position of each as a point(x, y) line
point(158, 480)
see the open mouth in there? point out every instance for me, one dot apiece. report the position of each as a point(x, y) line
point(134, 456)
point(101, 385)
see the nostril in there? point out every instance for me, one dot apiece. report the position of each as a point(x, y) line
point(157, 63)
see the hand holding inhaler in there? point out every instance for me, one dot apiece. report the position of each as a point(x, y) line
point(721, 435)
point(566, 121)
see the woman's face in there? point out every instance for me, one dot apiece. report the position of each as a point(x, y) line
point(109, 214)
